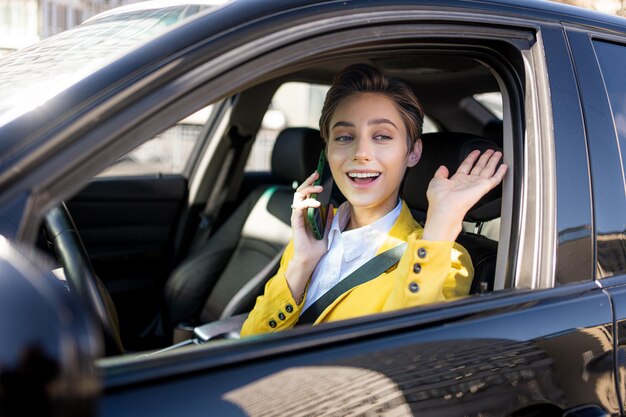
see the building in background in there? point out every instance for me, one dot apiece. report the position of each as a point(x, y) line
point(605, 6)
point(24, 22)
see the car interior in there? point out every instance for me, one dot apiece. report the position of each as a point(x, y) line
point(177, 250)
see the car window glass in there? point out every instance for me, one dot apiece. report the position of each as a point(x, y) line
point(65, 59)
point(612, 60)
point(166, 153)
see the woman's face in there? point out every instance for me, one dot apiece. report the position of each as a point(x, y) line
point(367, 151)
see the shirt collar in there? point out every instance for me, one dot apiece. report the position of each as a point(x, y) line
point(357, 241)
point(340, 221)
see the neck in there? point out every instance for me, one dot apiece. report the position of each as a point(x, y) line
point(363, 216)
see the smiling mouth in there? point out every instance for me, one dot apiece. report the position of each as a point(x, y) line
point(363, 177)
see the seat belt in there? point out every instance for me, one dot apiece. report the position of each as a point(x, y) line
point(222, 189)
point(366, 272)
point(251, 286)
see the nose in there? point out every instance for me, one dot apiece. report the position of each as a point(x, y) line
point(362, 150)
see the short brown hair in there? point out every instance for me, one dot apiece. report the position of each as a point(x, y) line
point(362, 78)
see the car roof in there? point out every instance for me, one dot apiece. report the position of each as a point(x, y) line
point(109, 60)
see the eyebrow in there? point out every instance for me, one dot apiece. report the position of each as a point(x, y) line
point(342, 124)
point(381, 121)
point(369, 123)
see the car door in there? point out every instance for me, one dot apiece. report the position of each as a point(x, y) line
point(511, 352)
point(127, 225)
point(130, 215)
point(598, 58)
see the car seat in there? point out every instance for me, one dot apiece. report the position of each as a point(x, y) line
point(450, 149)
point(214, 280)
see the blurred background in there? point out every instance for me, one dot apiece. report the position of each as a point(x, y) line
point(25, 22)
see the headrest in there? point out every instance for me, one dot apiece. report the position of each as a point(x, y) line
point(296, 153)
point(494, 130)
point(449, 149)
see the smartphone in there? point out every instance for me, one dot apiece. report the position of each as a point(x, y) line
point(317, 215)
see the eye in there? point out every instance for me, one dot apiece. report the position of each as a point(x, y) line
point(382, 137)
point(343, 138)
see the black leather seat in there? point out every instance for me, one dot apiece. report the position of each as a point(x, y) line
point(214, 281)
point(450, 149)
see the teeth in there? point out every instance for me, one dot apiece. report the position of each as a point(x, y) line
point(363, 174)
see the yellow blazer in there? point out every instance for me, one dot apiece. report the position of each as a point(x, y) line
point(427, 272)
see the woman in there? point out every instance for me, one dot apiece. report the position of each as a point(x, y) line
point(372, 127)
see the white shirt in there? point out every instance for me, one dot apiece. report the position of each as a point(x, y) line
point(348, 250)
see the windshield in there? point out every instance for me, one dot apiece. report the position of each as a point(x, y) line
point(31, 76)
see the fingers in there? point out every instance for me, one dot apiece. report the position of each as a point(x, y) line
point(483, 161)
point(305, 204)
point(310, 180)
point(499, 175)
point(489, 168)
point(301, 197)
point(492, 163)
point(468, 163)
point(442, 172)
point(484, 165)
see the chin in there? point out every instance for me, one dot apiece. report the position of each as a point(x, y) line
point(367, 203)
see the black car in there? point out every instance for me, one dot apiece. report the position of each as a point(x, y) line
point(162, 248)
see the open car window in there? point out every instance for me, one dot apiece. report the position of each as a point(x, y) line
point(294, 104)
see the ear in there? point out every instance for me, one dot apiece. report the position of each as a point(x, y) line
point(415, 155)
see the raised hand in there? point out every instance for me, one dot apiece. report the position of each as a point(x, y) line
point(307, 249)
point(449, 199)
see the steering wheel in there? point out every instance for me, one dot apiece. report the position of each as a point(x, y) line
point(80, 275)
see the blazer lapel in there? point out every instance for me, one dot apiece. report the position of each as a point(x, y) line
point(399, 233)
point(401, 229)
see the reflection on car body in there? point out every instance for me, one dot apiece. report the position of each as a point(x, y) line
point(441, 379)
point(542, 333)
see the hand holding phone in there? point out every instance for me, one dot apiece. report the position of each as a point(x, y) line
point(317, 215)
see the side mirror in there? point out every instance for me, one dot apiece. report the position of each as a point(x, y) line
point(48, 342)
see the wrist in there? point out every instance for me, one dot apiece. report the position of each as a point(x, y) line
point(297, 275)
point(302, 264)
point(442, 227)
